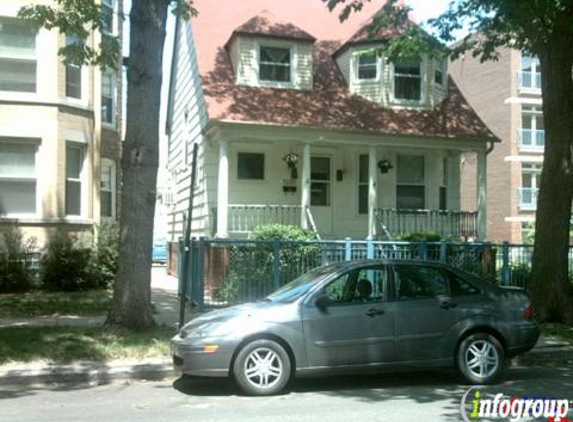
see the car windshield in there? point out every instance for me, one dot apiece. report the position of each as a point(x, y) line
point(299, 286)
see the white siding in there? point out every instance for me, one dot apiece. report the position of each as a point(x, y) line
point(187, 120)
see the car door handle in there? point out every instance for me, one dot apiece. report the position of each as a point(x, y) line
point(373, 312)
point(448, 305)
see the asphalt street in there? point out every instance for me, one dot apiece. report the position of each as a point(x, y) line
point(426, 396)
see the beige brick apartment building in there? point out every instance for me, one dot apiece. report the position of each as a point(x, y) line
point(507, 96)
point(59, 130)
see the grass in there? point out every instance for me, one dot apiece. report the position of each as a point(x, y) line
point(96, 302)
point(68, 344)
point(559, 331)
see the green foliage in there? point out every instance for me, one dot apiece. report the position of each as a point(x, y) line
point(105, 254)
point(15, 272)
point(250, 273)
point(65, 265)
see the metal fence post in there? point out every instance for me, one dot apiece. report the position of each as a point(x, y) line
point(347, 249)
point(505, 270)
point(443, 251)
point(276, 263)
point(369, 249)
point(424, 250)
point(200, 265)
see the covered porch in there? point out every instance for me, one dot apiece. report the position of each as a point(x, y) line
point(359, 186)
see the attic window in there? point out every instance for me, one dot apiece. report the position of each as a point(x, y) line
point(367, 66)
point(439, 73)
point(408, 80)
point(274, 64)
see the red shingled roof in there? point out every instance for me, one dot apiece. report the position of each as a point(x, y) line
point(329, 105)
point(268, 24)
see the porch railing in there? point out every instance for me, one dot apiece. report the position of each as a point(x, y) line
point(243, 219)
point(448, 223)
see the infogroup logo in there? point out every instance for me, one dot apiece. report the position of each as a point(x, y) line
point(475, 405)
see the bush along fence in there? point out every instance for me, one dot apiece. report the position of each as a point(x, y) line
point(224, 272)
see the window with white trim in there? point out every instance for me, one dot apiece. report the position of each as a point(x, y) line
point(408, 80)
point(367, 66)
point(18, 63)
point(410, 186)
point(530, 76)
point(320, 181)
point(74, 170)
point(274, 64)
point(107, 21)
point(363, 176)
point(444, 178)
point(250, 166)
point(73, 73)
point(18, 186)
point(108, 188)
point(439, 72)
point(108, 102)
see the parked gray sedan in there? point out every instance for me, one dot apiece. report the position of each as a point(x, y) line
point(361, 316)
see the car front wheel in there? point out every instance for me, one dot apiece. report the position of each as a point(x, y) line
point(480, 358)
point(262, 368)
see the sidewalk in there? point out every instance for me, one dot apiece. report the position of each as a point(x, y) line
point(163, 296)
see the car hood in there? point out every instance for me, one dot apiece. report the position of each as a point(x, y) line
point(259, 311)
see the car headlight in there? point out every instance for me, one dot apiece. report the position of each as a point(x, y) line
point(204, 330)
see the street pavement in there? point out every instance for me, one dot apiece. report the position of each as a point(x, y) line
point(425, 396)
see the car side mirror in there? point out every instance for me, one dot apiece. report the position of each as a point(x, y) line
point(323, 302)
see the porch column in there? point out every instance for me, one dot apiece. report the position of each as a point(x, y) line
point(305, 186)
point(372, 192)
point(481, 195)
point(223, 190)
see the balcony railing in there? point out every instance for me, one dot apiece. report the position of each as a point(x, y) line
point(529, 81)
point(445, 222)
point(243, 219)
point(527, 198)
point(531, 140)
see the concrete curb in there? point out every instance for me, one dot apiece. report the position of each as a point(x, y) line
point(87, 372)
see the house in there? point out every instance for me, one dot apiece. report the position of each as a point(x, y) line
point(299, 121)
point(59, 130)
point(507, 96)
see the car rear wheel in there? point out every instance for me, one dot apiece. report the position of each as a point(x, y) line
point(262, 368)
point(480, 358)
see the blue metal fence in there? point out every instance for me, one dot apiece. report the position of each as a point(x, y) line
point(224, 272)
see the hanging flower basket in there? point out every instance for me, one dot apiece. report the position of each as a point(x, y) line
point(385, 165)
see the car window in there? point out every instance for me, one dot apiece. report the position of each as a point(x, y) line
point(460, 287)
point(359, 286)
point(419, 282)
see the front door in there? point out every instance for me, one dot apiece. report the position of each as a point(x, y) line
point(357, 327)
point(321, 193)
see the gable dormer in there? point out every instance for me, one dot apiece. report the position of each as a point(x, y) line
point(414, 83)
point(267, 52)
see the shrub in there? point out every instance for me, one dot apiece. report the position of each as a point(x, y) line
point(105, 254)
point(250, 273)
point(421, 237)
point(16, 274)
point(65, 265)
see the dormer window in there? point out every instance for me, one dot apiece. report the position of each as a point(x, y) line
point(274, 64)
point(367, 67)
point(408, 80)
point(439, 73)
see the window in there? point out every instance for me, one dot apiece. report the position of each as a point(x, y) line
point(108, 84)
point(530, 75)
point(444, 185)
point(408, 80)
point(367, 66)
point(274, 64)
point(363, 176)
point(320, 181)
point(530, 179)
point(410, 189)
point(359, 286)
point(250, 166)
point(460, 287)
point(419, 282)
point(532, 132)
point(17, 56)
point(73, 73)
point(107, 9)
point(74, 167)
point(107, 192)
point(439, 72)
point(17, 176)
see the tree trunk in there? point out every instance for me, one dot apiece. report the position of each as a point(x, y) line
point(131, 307)
point(550, 275)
